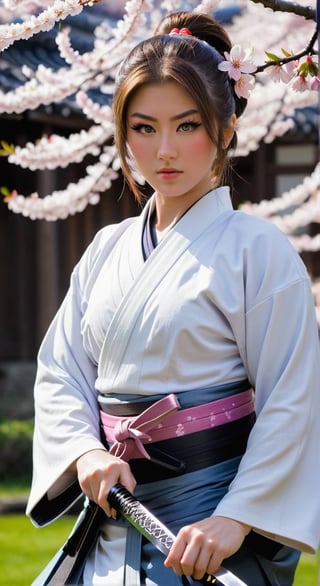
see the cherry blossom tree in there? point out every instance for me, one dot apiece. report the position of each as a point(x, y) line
point(283, 79)
point(274, 60)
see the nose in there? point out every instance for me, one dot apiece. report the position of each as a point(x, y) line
point(167, 149)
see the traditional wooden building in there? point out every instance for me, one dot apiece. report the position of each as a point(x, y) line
point(37, 256)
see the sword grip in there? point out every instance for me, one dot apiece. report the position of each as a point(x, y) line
point(146, 523)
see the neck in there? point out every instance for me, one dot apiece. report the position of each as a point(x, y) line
point(169, 212)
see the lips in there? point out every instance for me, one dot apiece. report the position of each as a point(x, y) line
point(169, 173)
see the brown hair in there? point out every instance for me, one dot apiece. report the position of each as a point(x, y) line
point(193, 64)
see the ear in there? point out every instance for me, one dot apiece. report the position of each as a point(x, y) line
point(229, 132)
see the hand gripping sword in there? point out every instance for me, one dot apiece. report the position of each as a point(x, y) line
point(158, 534)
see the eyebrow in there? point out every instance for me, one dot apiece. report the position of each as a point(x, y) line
point(176, 117)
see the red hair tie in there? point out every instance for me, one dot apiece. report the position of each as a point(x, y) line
point(180, 31)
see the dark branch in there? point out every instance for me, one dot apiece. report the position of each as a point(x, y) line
point(309, 50)
point(284, 6)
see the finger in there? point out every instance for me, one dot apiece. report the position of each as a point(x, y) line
point(215, 563)
point(175, 555)
point(190, 560)
point(103, 502)
point(127, 479)
point(184, 553)
point(201, 565)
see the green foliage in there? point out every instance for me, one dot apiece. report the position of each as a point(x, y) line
point(16, 450)
point(26, 550)
point(6, 148)
point(307, 571)
point(14, 488)
point(272, 57)
point(5, 191)
point(309, 67)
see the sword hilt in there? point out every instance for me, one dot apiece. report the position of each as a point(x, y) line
point(146, 523)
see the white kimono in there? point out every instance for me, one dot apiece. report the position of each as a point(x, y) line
point(222, 297)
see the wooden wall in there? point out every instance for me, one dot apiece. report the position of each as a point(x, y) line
point(37, 257)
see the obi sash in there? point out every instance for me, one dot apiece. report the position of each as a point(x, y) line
point(180, 432)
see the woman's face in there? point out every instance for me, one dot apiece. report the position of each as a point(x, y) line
point(169, 142)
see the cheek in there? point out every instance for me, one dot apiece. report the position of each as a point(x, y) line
point(203, 147)
point(138, 147)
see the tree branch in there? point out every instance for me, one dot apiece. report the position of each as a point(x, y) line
point(307, 12)
point(309, 50)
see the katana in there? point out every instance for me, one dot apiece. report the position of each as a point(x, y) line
point(158, 534)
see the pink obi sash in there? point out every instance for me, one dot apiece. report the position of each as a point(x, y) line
point(163, 420)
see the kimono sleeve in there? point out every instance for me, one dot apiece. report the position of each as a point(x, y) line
point(66, 409)
point(276, 489)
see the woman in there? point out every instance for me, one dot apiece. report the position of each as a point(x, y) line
point(193, 304)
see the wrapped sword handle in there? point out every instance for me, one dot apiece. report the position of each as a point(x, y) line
point(147, 524)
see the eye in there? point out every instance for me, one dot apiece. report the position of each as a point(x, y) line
point(188, 126)
point(142, 128)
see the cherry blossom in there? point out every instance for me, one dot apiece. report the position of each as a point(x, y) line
point(238, 61)
point(244, 85)
point(239, 65)
point(57, 151)
point(315, 83)
point(293, 198)
point(57, 11)
point(301, 83)
point(61, 204)
point(267, 115)
point(282, 73)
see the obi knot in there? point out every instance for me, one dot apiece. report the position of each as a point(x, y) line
point(129, 439)
point(130, 433)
